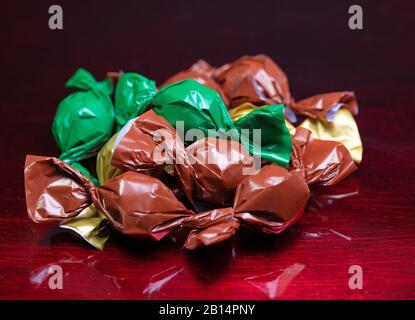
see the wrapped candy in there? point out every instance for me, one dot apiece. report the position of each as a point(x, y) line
point(183, 162)
point(203, 113)
point(202, 72)
point(342, 128)
point(219, 166)
point(275, 144)
point(141, 206)
point(132, 95)
point(84, 120)
point(196, 105)
point(255, 79)
point(268, 202)
point(132, 202)
point(245, 108)
point(321, 162)
point(271, 200)
point(325, 106)
point(150, 141)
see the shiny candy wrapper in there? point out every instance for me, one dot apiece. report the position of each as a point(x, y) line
point(84, 120)
point(325, 106)
point(105, 170)
point(91, 225)
point(150, 142)
point(201, 72)
point(241, 110)
point(155, 176)
point(132, 95)
point(201, 111)
point(142, 207)
point(275, 145)
point(194, 104)
point(342, 128)
point(255, 79)
point(258, 80)
point(245, 108)
point(322, 162)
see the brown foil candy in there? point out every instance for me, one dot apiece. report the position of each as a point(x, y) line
point(202, 72)
point(271, 200)
point(213, 181)
point(321, 162)
point(219, 166)
point(211, 227)
point(325, 106)
point(138, 142)
point(148, 142)
point(135, 204)
point(256, 79)
point(54, 190)
point(142, 207)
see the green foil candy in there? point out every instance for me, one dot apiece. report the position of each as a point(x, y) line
point(276, 142)
point(132, 95)
point(200, 107)
point(84, 120)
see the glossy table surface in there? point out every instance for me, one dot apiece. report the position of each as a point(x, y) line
point(367, 220)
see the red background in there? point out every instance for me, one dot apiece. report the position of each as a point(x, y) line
point(374, 209)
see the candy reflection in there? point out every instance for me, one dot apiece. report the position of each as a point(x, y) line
point(274, 284)
point(159, 280)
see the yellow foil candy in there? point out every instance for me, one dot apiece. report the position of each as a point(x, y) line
point(105, 170)
point(343, 129)
point(90, 225)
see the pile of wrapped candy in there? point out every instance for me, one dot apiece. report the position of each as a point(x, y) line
point(182, 157)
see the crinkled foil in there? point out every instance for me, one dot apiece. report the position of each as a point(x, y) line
point(343, 129)
point(105, 170)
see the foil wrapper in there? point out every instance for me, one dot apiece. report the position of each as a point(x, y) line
point(133, 93)
point(342, 128)
point(325, 106)
point(105, 170)
point(275, 140)
point(195, 106)
point(255, 79)
point(197, 111)
point(201, 72)
point(321, 162)
point(91, 225)
point(151, 142)
point(184, 158)
point(245, 108)
point(143, 207)
point(84, 120)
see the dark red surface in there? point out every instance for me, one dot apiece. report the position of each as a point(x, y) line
point(371, 225)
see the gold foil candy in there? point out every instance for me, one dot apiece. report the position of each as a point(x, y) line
point(343, 129)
